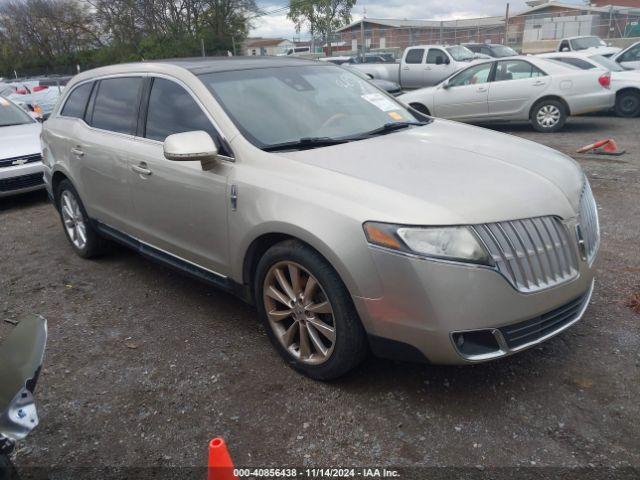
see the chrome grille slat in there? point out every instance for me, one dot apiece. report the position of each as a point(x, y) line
point(532, 254)
point(589, 222)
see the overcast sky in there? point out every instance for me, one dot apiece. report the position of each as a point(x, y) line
point(277, 25)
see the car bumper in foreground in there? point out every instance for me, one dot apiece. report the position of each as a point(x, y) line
point(21, 178)
point(451, 313)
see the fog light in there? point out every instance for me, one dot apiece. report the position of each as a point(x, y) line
point(476, 343)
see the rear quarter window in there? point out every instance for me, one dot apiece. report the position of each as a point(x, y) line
point(76, 104)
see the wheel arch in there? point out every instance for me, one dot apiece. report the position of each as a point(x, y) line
point(550, 97)
point(57, 178)
point(420, 107)
point(261, 241)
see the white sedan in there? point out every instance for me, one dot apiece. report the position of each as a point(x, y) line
point(533, 89)
point(624, 82)
point(21, 168)
point(629, 57)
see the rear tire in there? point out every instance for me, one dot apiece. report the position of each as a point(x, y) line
point(308, 312)
point(628, 104)
point(548, 116)
point(77, 226)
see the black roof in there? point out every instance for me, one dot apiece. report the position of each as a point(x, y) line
point(199, 65)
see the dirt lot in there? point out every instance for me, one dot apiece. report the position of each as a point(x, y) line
point(144, 366)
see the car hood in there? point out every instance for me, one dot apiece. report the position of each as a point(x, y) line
point(19, 140)
point(457, 173)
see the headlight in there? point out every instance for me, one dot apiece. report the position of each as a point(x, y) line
point(448, 243)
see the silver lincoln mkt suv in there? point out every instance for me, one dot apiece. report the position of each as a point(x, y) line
point(351, 222)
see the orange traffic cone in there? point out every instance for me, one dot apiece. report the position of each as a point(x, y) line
point(220, 465)
point(602, 147)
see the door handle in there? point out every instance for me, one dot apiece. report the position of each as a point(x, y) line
point(482, 89)
point(406, 68)
point(77, 152)
point(539, 83)
point(141, 169)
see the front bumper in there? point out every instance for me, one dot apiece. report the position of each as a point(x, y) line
point(21, 179)
point(426, 302)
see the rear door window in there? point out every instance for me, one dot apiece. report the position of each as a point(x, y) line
point(415, 56)
point(77, 101)
point(631, 55)
point(116, 104)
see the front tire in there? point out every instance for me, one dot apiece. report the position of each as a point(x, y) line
point(82, 236)
point(548, 116)
point(628, 104)
point(307, 312)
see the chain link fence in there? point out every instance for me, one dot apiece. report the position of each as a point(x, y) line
point(529, 33)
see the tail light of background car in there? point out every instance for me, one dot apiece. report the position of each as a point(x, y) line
point(605, 80)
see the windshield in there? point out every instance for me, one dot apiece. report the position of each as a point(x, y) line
point(460, 53)
point(500, 51)
point(272, 106)
point(10, 114)
point(586, 42)
point(607, 63)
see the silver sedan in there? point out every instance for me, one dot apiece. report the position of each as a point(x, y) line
point(531, 89)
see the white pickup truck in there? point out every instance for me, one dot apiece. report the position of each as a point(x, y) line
point(591, 43)
point(421, 66)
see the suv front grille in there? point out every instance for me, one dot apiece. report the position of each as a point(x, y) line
point(24, 181)
point(12, 162)
point(589, 224)
point(532, 330)
point(533, 254)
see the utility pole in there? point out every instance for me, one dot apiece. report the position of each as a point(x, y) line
point(233, 43)
point(506, 26)
point(202, 47)
point(441, 32)
point(362, 35)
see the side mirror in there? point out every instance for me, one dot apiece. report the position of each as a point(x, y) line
point(565, 49)
point(195, 146)
point(446, 85)
point(447, 61)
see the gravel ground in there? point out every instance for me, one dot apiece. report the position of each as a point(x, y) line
point(144, 366)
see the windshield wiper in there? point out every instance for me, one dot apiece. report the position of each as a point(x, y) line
point(388, 128)
point(305, 143)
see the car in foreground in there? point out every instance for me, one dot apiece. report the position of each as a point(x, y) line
point(540, 91)
point(586, 43)
point(492, 50)
point(20, 160)
point(629, 57)
point(625, 83)
point(350, 221)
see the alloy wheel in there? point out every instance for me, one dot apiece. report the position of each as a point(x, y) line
point(73, 220)
point(548, 116)
point(299, 312)
point(629, 105)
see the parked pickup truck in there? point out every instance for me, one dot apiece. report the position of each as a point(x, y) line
point(591, 43)
point(421, 66)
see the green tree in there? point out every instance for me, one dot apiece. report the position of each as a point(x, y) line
point(322, 17)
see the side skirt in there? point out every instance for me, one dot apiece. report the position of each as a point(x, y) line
point(176, 263)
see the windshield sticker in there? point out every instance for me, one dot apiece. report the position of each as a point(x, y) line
point(395, 116)
point(3, 102)
point(380, 101)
